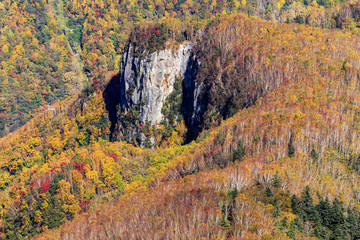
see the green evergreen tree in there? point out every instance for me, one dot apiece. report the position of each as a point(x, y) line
point(337, 215)
point(339, 233)
point(224, 222)
point(239, 151)
point(55, 215)
point(314, 154)
point(268, 192)
point(276, 180)
point(291, 148)
point(295, 205)
point(54, 183)
point(307, 204)
point(297, 224)
point(324, 209)
point(321, 232)
point(232, 194)
point(352, 225)
point(277, 210)
point(285, 223)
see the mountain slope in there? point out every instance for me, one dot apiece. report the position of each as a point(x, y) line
point(305, 132)
point(52, 49)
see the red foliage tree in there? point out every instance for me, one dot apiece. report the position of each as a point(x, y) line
point(45, 186)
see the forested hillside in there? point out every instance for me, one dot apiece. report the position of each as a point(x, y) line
point(259, 137)
point(51, 50)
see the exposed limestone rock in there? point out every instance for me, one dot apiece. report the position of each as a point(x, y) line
point(149, 81)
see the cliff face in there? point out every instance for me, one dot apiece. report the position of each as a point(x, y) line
point(148, 87)
point(148, 82)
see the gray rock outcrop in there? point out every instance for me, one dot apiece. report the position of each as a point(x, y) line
point(149, 81)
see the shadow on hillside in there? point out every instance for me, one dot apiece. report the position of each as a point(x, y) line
point(191, 111)
point(112, 96)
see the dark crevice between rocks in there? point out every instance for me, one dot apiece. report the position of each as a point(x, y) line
point(114, 92)
point(188, 108)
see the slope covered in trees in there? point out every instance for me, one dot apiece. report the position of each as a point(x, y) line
point(37, 64)
point(235, 180)
point(51, 49)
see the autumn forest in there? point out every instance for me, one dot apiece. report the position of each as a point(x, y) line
point(181, 119)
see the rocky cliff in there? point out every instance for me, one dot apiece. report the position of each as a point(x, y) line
point(138, 94)
point(149, 81)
